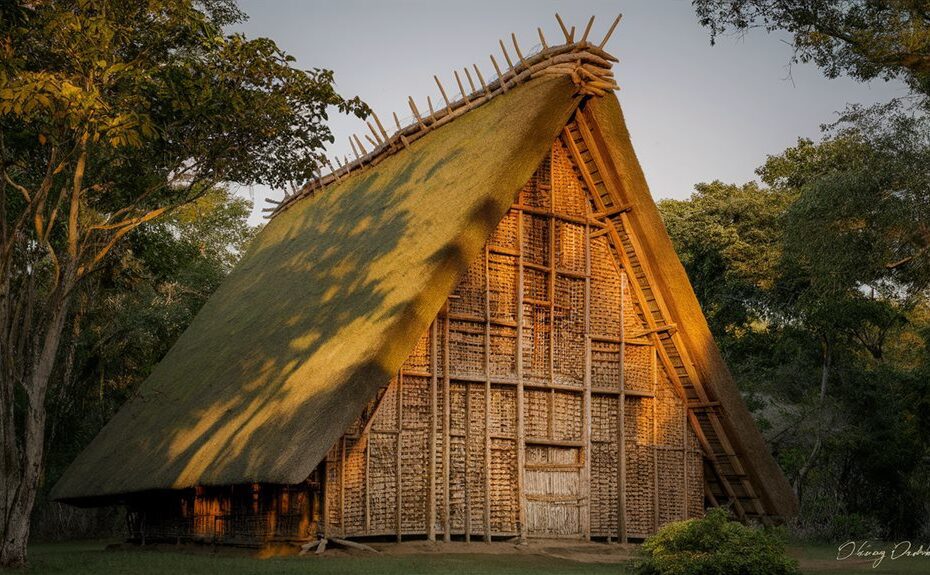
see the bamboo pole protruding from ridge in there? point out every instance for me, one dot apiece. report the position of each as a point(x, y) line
point(587, 30)
point(458, 81)
point(396, 121)
point(470, 81)
point(516, 47)
point(481, 79)
point(354, 149)
point(377, 139)
point(380, 126)
point(571, 34)
point(416, 112)
point(506, 55)
point(500, 76)
point(610, 31)
point(373, 143)
point(441, 91)
point(429, 103)
point(568, 38)
point(360, 146)
point(542, 39)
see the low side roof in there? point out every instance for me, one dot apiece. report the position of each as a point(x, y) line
point(323, 308)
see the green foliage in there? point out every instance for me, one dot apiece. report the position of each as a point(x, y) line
point(715, 545)
point(865, 39)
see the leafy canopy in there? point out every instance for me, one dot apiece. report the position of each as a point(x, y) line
point(865, 39)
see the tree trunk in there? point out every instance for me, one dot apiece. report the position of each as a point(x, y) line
point(826, 363)
point(21, 482)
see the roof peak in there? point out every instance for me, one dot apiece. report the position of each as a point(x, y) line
point(588, 65)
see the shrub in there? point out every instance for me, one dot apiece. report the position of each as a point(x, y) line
point(715, 545)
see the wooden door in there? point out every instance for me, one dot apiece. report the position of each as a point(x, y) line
point(553, 487)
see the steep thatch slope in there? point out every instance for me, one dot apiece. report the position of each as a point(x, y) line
point(672, 281)
point(322, 310)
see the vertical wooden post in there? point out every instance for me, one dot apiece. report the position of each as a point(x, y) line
point(551, 298)
point(433, 364)
point(655, 437)
point(621, 423)
point(586, 429)
point(467, 455)
point(399, 443)
point(367, 482)
point(342, 484)
point(446, 428)
point(487, 397)
point(521, 435)
point(684, 460)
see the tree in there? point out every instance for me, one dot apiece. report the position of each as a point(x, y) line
point(113, 114)
point(127, 316)
point(865, 39)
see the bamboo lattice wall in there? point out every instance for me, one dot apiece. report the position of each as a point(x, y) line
point(535, 404)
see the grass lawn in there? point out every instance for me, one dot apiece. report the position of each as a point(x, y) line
point(92, 558)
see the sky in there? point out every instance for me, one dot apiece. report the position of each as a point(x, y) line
point(696, 112)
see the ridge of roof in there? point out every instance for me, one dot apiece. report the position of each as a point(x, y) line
point(588, 65)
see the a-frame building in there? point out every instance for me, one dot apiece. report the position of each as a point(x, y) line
point(478, 329)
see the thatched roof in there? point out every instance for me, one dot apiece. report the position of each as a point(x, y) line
point(323, 308)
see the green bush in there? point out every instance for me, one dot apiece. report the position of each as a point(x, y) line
point(715, 545)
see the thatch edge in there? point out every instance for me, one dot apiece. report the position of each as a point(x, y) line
point(672, 282)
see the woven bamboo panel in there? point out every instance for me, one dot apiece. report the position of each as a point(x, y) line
point(640, 489)
point(504, 504)
point(569, 247)
point(568, 418)
point(536, 239)
point(441, 350)
point(457, 482)
point(637, 420)
point(536, 413)
point(535, 285)
point(695, 484)
point(569, 331)
point(671, 485)
point(502, 281)
point(414, 471)
point(505, 234)
point(605, 285)
point(466, 347)
point(503, 351)
point(385, 418)
point(416, 402)
point(604, 418)
point(468, 298)
point(503, 411)
point(604, 504)
point(639, 368)
point(457, 408)
point(633, 321)
point(476, 457)
point(570, 193)
point(535, 193)
point(382, 480)
point(670, 414)
point(333, 504)
point(419, 358)
point(537, 329)
point(353, 511)
point(605, 365)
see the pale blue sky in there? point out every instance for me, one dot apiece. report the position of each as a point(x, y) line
point(696, 112)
